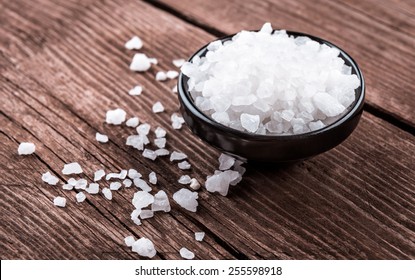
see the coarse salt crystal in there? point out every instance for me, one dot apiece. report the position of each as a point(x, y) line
point(140, 183)
point(135, 91)
point(185, 179)
point(186, 254)
point(133, 174)
point(172, 74)
point(160, 142)
point(150, 154)
point(144, 247)
point(132, 122)
point(101, 137)
point(143, 129)
point(72, 181)
point(93, 188)
point(81, 184)
point(194, 184)
point(225, 162)
point(115, 117)
point(146, 214)
point(80, 197)
point(178, 62)
point(152, 177)
point(137, 221)
point(199, 236)
point(67, 187)
point(186, 199)
point(153, 60)
point(142, 199)
point(135, 214)
point(161, 76)
point(123, 173)
point(127, 183)
point(99, 174)
point(177, 156)
point(26, 148)
point(129, 240)
point(140, 63)
point(158, 107)
point(72, 168)
point(107, 193)
point(161, 202)
point(184, 165)
point(135, 43)
point(220, 181)
point(115, 186)
point(160, 132)
point(49, 178)
point(162, 152)
point(59, 201)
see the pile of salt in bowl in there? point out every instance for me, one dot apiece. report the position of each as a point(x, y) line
point(269, 82)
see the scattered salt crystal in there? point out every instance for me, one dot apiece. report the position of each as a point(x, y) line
point(225, 162)
point(220, 181)
point(133, 174)
point(140, 63)
point(101, 137)
point(172, 74)
point(186, 254)
point(160, 132)
point(186, 199)
point(185, 179)
point(59, 201)
point(99, 174)
point(135, 91)
point(176, 121)
point(135, 43)
point(153, 60)
point(158, 107)
point(152, 177)
point(199, 236)
point(132, 122)
point(129, 240)
point(144, 247)
point(143, 129)
point(107, 193)
point(137, 221)
point(115, 117)
point(162, 152)
point(160, 142)
point(161, 202)
point(49, 178)
point(72, 181)
point(123, 173)
point(146, 214)
point(115, 186)
point(194, 184)
point(135, 214)
point(81, 184)
point(137, 141)
point(178, 62)
point(177, 156)
point(72, 168)
point(266, 28)
point(67, 187)
point(80, 197)
point(93, 188)
point(142, 199)
point(127, 183)
point(150, 154)
point(184, 165)
point(161, 76)
point(26, 148)
point(140, 183)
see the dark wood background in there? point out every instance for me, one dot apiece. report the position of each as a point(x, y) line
point(63, 65)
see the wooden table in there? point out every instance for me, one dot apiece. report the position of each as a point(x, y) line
point(63, 65)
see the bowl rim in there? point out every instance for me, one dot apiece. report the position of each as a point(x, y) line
point(188, 101)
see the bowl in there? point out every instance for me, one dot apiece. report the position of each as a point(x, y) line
point(271, 148)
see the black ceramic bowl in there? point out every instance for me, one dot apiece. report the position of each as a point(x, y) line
point(272, 148)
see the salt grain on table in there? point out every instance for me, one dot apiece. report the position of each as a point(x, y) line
point(142, 199)
point(81, 184)
point(99, 174)
point(59, 201)
point(158, 107)
point(67, 187)
point(80, 197)
point(160, 132)
point(178, 62)
point(161, 202)
point(146, 214)
point(143, 129)
point(115, 186)
point(186, 199)
point(199, 236)
point(161, 76)
point(132, 122)
point(135, 43)
point(101, 137)
point(135, 91)
point(140, 183)
point(107, 193)
point(140, 63)
point(220, 181)
point(185, 179)
point(194, 184)
point(184, 165)
point(72, 181)
point(152, 177)
point(162, 152)
point(172, 74)
point(225, 162)
point(150, 154)
point(26, 148)
point(133, 174)
point(93, 188)
point(160, 142)
point(186, 254)
point(144, 247)
point(127, 183)
point(115, 117)
point(72, 168)
point(129, 240)
point(49, 178)
point(177, 156)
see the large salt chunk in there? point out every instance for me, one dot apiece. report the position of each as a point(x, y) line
point(115, 117)
point(225, 162)
point(59, 201)
point(140, 63)
point(158, 107)
point(135, 91)
point(250, 122)
point(177, 156)
point(140, 183)
point(80, 197)
point(144, 247)
point(186, 254)
point(220, 181)
point(129, 240)
point(26, 148)
point(161, 202)
point(99, 174)
point(146, 214)
point(199, 236)
point(101, 137)
point(93, 188)
point(49, 178)
point(142, 199)
point(185, 179)
point(186, 199)
point(72, 168)
point(150, 154)
point(135, 43)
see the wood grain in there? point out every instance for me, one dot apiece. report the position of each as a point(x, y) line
point(373, 34)
point(355, 201)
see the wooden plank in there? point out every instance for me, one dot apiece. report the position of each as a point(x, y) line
point(356, 201)
point(382, 52)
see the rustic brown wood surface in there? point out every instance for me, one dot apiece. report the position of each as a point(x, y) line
point(63, 65)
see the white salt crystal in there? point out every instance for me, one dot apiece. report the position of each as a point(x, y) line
point(132, 122)
point(172, 74)
point(26, 148)
point(186, 199)
point(194, 184)
point(49, 178)
point(99, 174)
point(158, 107)
point(67, 187)
point(137, 221)
point(220, 181)
point(72, 181)
point(115, 186)
point(250, 122)
point(150, 154)
point(135, 91)
point(140, 183)
point(178, 62)
point(107, 193)
point(316, 125)
point(266, 28)
point(177, 156)
point(153, 60)
point(135, 214)
point(152, 177)
point(81, 184)
point(185, 179)
point(142, 199)
point(144, 247)
point(225, 162)
point(133, 174)
point(137, 141)
point(127, 183)
point(72, 168)
point(123, 173)
point(146, 214)
point(143, 129)
point(101, 137)
point(184, 165)
point(140, 63)
point(162, 152)
point(160, 132)
point(59, 201)
point(93, 188)
point(161, 202)
point(80, 197)
point(186, 254)
point(161, 76)
point(129, 241)
point(327, 104)
point(135, 43)
point(115, 117)
point(199, 236)
point(176, 121)
point(160, 142)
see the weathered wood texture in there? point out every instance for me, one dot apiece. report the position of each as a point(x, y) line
point(380, 35)
point(63, 65)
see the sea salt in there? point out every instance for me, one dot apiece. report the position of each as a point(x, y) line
point(152, 177)
point(133, 174)
point(115, 186)
point(67, 187)
point(271, 83)
point(150, 154)
point(176, 121)
point(185, 180)
point(49, 178)
point(135, 91)
point(186, 254)
point(93, 188)
point(26, 148)
point(144, 247)
point(140, 63)
point(142, 199)
point(132, 122)
point(162, 152)
point(143, 129)
point(160, 132)
point(72, 181)
point(225, 162)
point(146, 214)
point(59, 201)
point(177, 156)
point(135, 43)
point(153, 60)
point(158, 107)
point(72, 168)
point(161, 76)
point(172, 74)
point(220, 181)
point(101, 137)
point(123, 173)
point(140, 183)
point(186, 199)
point(178, 62)
point(129, 240)
point(127, 183)
point(107, 193)
point(137, 221)
point(160, 142)
point(81, 184)
point(115, 117)
point(184, 165)
point(161, 202)
point(199, 236)
point(80, 197)
point(99, 174)
point(194, 184)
